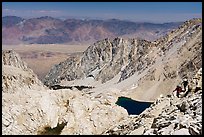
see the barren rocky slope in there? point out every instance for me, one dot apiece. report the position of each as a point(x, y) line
point(138, 66)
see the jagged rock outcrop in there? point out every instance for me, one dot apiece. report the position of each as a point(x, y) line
point(103, 61)
point(10, 57)
point(168, 115)
point(16, 74)
point(30, 108)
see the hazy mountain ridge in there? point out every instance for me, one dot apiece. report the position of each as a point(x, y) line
point(48, 30)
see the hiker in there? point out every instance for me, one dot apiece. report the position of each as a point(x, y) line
point(185, 85)
point(178, 90)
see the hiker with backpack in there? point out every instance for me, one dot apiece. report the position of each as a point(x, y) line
point(178, 90)
point(185, 84)
point(182, 91)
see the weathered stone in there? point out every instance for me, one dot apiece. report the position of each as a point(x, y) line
point(138, 131)
point(183, 107)
point(194, 131)
point(182, 131)
point(150, 131)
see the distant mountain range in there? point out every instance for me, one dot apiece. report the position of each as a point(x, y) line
point(48, 30)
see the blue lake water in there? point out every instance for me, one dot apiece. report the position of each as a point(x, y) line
point(133, 107)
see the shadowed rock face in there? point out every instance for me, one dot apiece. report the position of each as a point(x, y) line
point(106, 58)
point(48, 30)
point(126, 57)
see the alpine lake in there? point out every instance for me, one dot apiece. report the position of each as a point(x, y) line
point(133, 107)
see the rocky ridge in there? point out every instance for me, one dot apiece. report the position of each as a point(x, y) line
point(178, 57)
point(16, 75)
point(102, 61)
point(11, 58)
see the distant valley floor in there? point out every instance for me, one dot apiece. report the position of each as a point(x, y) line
point(41, 57)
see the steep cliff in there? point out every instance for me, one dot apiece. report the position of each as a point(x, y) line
point(103, 60)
